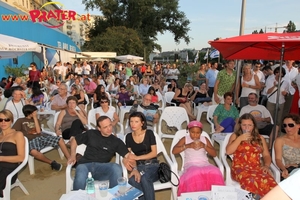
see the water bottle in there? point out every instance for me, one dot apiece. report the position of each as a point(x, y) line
point(90, 186)
point(124, 104)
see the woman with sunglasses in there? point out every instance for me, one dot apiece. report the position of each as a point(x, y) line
point(12, 145)
point(99, 93)
point(107, 110)
point(287, 147)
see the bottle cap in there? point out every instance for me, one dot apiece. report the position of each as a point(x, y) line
point(90, 175)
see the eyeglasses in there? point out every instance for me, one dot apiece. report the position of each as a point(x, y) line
point(6, 120)
point(57, 82)
point(103, 101)
point(288, 125)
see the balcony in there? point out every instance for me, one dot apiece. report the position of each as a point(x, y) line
point(81, 34)
point(69, 32)
point(81, 24)
point(69, 26)
point(69, 21)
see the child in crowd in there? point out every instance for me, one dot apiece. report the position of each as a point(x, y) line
point(198, 174)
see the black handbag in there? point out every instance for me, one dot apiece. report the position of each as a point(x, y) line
point(164, 174)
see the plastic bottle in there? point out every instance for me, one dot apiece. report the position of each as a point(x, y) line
point(90, 186)
point(124, 104)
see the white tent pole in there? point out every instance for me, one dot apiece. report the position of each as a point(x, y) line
point(277, 97)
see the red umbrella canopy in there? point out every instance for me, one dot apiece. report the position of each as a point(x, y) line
point(265, 46)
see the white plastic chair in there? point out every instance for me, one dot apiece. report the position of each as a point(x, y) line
point(209, 116)
point(17, 183)
point(180, 134)
point(70, 179)
point(92, 122)
point(162, 100)
point(158, 185)
point(86, 97)
point(45, 150)
point(174, 117)
point(229, 181)
point(277, 173)
point(168, 98)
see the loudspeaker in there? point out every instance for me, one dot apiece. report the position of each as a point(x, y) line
point(15, 61)
point(175, 57)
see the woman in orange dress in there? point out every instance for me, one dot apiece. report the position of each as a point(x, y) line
point(247, 145)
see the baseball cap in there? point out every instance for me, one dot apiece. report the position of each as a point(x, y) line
point(195, 124)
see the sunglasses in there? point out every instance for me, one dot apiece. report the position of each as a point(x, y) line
point(6, 120)
point(57, 82)
point(289, 125)
point(103, 101)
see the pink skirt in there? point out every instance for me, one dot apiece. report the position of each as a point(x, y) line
point(197, 179)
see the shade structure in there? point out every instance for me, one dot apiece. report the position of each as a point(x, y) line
point(11, 47)
point(129, 57)
point(133, 61)
point(260, 46)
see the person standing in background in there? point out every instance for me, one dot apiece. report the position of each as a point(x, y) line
point(34, 76)
point(211, 77)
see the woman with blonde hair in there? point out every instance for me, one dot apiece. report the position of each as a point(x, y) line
point(249, 83)
point(12, 147)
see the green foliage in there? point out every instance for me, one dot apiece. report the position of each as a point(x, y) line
point(187, 72)
point(146, 17)
point(261, 31)
point(255, 32)
point(120, 39)
point(291, 27)
point(16, 71)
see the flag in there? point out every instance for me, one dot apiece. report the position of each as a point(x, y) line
point(197, 57)
point(214, 54)
point(206, 55)
point(187, 57)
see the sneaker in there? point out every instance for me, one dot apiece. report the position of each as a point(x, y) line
point(56, 166)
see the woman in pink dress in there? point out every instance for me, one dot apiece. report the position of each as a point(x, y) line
point(198, 174)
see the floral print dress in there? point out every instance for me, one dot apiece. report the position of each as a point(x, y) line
point(246, 169)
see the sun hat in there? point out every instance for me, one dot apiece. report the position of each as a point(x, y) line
point(195, 124)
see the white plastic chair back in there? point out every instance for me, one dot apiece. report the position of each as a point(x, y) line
point(86, 97)
point(168, 97)
point(209, 116)
point(228, 181)
point(162, 100)
point(17, 183)
point(174, 117)
point(277, 174)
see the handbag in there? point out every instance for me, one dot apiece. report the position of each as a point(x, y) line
point(164, 174)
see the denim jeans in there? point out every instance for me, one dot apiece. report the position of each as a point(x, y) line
point(202, 100)
point(100, 172)
point(146, 184)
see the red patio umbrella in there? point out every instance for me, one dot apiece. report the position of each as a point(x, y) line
point(267, 46)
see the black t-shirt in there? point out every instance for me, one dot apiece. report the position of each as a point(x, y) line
point(143, 147)
point(99, 148)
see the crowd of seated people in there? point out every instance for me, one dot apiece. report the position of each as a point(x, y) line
point(122, 84)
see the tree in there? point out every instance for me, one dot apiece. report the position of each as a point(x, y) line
point(120, 39)
point(291, 27)
point(146, 17)
point(255, 32)
point(261, 31)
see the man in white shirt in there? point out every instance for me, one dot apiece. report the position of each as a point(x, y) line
point(16, 104)
point(86, 68)
point(262, 117)
point(290, 75)
point(211, 77)
point(58, 71)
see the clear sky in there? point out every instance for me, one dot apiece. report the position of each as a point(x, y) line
point(221, 18)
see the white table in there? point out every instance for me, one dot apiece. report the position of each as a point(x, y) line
point(46, 112)
point(123, 111)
